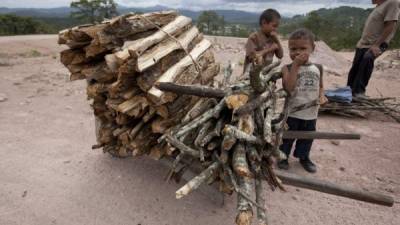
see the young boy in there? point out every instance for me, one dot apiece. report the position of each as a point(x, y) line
point(303, 81)
point(262, 45)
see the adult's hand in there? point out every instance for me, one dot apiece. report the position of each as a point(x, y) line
point(375, 50)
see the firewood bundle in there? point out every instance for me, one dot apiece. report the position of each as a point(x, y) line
point(361, 107)
point(122, 59)
point(235, 134)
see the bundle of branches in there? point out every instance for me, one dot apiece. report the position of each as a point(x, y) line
point(121, 59)
point(234, 133)
point(360, 107)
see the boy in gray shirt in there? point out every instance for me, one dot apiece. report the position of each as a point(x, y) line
point(303, 81)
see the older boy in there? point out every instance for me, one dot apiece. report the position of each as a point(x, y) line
point(378, 31)
point(262, 45)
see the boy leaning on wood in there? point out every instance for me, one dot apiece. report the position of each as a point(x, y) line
point(262, 45)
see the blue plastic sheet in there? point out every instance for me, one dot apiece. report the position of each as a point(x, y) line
point(342, 94)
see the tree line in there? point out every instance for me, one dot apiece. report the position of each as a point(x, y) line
point(340, 28)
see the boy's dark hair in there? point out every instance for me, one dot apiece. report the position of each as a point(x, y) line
point(269, 15)
point(302, 33)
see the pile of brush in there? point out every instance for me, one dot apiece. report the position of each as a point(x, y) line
point(235, 134)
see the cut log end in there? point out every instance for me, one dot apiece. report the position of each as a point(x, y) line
point(244, 217)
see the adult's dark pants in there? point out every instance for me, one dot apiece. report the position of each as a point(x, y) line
point(303, 146)
point(360, 72)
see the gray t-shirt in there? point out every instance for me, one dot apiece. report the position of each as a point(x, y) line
point(373, 29)
point(306, 91)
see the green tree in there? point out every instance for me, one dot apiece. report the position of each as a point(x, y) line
point(93, 11)
point(208, 22)
point(314, 22)
point(15, 25)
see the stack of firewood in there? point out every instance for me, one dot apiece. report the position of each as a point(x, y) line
point(149, 79)
point(235, 134)
point(361, 107)
point(122, 59)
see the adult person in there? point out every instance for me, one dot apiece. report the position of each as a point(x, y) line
point(379, 29)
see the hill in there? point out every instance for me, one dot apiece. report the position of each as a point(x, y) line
point(340, 27)
point(234, 16)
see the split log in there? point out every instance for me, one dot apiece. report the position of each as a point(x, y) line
point(130, 24)
point(136, 101)
point(155, 54)
point(169, 76)
point(139, 46)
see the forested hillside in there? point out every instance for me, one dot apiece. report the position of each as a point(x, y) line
point(340, 27)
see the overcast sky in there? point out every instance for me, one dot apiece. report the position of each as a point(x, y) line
point(284, 6)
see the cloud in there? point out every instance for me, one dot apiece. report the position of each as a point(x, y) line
point(286, 7)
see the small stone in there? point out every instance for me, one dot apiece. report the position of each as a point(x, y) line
point(321, 149)
point(3, 97)
point(68, 107)
point(24, 194)
point(390, 190)
point(342, 169)
point(335, 142)
point(294, 198)
point(66, 162)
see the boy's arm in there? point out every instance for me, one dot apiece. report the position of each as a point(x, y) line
point(279, 50)
point(289, 77)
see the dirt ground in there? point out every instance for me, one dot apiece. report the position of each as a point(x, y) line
point(49, 174)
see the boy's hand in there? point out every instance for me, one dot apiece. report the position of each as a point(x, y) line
point(259, 59)
point(274, 47)
point(323, 99)
point(301, 59)
point(274, 36)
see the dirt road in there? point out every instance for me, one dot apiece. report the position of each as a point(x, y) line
point(49, 174)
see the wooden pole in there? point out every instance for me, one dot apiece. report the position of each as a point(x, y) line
point(334, 189)
point(197, 90)
point(320, 135)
